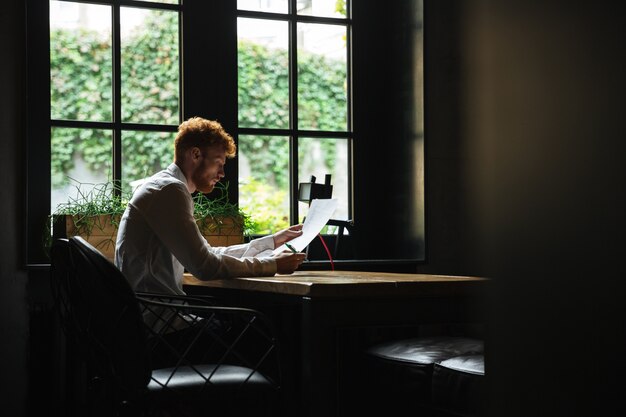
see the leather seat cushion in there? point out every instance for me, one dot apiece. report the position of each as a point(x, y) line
point(403, 368)
point(223, 395)
point(187, 378)
point(426, 350)
point(458, 384)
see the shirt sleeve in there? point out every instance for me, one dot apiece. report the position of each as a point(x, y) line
point(171, 217)
point(254, 248)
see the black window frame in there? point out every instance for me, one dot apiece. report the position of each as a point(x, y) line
point(197, 96)
point(294, 132)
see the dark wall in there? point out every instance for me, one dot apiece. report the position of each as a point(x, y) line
point(525, 183)
point(542, 104)
point(14, 334)
point(449, 226)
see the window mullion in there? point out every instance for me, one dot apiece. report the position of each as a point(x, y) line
point(349, 113)
point(117, 98)
point(181, 85)
point(293, 111)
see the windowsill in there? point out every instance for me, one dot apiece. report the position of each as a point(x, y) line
point(378, 265)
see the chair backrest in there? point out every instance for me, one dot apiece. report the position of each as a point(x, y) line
point(204, 356)
point(342, 227)
point(101, 312)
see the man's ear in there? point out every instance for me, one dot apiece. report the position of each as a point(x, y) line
point(195, 153)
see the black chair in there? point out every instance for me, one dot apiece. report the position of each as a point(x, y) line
point(150, 354)
point(400, 375)
point(458, 385)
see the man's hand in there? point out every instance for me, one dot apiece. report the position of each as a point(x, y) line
point(286, 235)
point(287, 262)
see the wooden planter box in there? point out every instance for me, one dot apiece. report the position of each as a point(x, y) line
point(222, 231)
point(101, 231)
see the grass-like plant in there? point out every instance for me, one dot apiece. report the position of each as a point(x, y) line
point(101, 199)
point(98, 205)
point(94, 207)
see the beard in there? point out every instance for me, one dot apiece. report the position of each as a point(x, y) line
point(205, 188)
point(203, 184)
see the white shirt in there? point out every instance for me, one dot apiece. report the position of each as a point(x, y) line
point(158, 238)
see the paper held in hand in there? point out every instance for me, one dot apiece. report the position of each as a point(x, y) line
point(319, 213)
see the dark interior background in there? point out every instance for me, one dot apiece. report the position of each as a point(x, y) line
point(524, 138)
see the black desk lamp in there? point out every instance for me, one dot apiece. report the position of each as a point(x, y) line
point(308, 191)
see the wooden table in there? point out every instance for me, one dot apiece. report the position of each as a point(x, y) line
point(322, 303)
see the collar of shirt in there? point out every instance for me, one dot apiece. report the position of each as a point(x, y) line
point(177, 173)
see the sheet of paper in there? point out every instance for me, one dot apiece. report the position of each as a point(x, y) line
point(319, 213)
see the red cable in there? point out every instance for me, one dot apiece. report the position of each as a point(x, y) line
point(332, 265)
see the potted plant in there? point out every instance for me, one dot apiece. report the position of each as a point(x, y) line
point(95, 215)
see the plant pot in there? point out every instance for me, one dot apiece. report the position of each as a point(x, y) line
point(100, 230)
point(221, 231)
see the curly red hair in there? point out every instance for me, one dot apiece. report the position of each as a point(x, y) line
point(202, 133)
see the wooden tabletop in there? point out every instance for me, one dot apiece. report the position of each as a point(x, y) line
point(349, 283)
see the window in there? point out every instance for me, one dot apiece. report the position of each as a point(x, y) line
point(114, 93)
point(115, 98)
point(105, 99)
point(114, 73)
point(293, 105)
point(110, 80)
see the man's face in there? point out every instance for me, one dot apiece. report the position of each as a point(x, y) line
point(210, 169)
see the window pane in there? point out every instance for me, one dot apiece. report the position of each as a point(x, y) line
point(325, 8)
point(274, 6)
point(80, 159)
point(143, 154)
point(263, 73)
point(150, 66)
point(264, 181)
point(322, 77)
point(319, 157)
point(80, 61)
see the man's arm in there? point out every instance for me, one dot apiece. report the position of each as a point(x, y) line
point(260, 245)
point(171, 217)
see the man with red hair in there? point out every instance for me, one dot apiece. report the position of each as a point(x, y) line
point(158, 237)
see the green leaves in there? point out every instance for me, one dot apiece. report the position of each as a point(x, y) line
point(80, 75)
point(264, 201)
point(93, 200)
point(81, 89)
